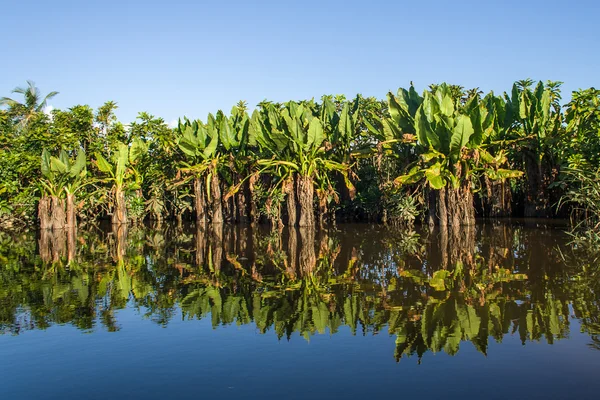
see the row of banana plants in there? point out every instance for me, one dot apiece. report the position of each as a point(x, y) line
point(447, 155)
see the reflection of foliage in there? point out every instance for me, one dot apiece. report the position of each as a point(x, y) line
point(432, 292)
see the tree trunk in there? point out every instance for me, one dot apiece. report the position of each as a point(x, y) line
point(71, 216)
point(216, 205)
point(431, 201)
point(536, 202)
point(58, 213)
point(199, 201)
point(323, 210)
point(291, 201)
point(242, 204)
point(44, 213)
point(120, 211)
point(253, 209)
point(305, 193)
point(441, 205)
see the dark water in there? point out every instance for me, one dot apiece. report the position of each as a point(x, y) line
point(506, 311)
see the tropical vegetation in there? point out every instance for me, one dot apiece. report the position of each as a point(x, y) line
point(442, 157)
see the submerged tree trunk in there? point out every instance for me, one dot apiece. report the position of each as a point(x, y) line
point(323, 209)
point(119, 216)
point(215, 193)
point(253, 208)
point(44, 213)
point(442, 210)
point(498, 201)
point(242, 203)
point(58, 213)
point(71, 215)
point(536, 202)
point(431, 218)
point(199, 201)
point(292, 205)
point(455, 207)
point(305, 193)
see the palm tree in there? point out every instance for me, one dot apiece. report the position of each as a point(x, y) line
point(33, 104)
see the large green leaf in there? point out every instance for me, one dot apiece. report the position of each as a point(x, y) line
point(103, 165)
point(425, 134)
point(58, 166)
point(122, 159)
point(46, 170)
point(78, 166)
point(434, 176)
point(461, 134)
point(315, 134)
point(211, 149)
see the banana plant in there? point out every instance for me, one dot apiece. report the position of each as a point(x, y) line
point(234, 134)
point(536, 127)
point(449, 137)
point(62, 177)
point(295, 139)
point(199, 143)
point(122, 174)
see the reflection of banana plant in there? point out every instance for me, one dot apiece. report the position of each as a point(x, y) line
point(122, 174)
point(62, 177)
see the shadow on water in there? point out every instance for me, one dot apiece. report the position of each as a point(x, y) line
point(431, 290)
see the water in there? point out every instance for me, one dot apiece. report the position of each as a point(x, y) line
point(495, 311)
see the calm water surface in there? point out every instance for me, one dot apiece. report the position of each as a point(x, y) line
point(504, 311)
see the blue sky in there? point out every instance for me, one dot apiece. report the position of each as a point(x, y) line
point(175, 58)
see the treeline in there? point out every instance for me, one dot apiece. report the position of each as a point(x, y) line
point(443, 157)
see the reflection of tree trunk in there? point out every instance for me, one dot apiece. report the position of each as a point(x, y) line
point(58, 213)
point(200, 244)
point(58, 239)
point(308, 259)
point(71, 217)
point(443, 240)
point(45, 249)
point(305, 194)
point(120, 212)
point(289, 189)
point(292, 264)
point(120, 237)
point(44, 213)
point(216, 239)
point(71, 243)
point(216, 205)
point(199, 201)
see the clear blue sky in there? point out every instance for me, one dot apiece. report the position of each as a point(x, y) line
point(175, 58)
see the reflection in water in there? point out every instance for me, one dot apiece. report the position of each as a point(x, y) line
point(432, 291)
